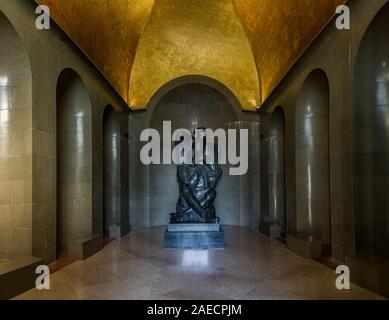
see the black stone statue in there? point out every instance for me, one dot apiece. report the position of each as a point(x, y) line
point(197, 188)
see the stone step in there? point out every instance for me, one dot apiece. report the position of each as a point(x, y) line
point(193, 227)
point(194, 240)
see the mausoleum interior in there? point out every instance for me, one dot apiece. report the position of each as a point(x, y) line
point(83, 82)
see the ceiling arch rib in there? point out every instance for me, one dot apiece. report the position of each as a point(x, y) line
point(280, 31)
point(194, 37)
point(107, 31)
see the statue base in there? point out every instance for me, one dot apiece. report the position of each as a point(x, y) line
point(194, 236)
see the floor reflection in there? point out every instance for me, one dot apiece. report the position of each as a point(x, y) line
point(195, 258)
point(251, 266)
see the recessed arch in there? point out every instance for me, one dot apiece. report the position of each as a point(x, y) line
point(195, 79)
point(170, 48)
point(371, 138)
point(312, 160)
point(190, 105)
point(276, 173)
point(15, 158)
point(111, 174)
point(74, 161)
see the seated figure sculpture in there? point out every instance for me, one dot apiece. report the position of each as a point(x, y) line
point(197, 189)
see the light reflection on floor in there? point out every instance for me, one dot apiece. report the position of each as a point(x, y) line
point(250, 267)
point(195, 258)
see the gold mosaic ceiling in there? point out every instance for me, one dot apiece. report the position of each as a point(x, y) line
point(139, 45)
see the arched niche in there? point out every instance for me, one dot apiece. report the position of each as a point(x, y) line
point(74, 165)
point(276, 173)
point(371, 138)
point(191, 105)
point(312, 161)
point(111, 178)
point(195, 79)
point(15, 136)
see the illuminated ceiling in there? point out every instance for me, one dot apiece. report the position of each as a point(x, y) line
point(196, 37)
point(107, 31)
point(280, 31)
point(139, 45)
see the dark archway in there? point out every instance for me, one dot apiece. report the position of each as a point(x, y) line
point(74, 169)
point(111, 178)
point(191, 105)
point(195, 79)
point(371, 138)
point(276, 174)
point(312, 161)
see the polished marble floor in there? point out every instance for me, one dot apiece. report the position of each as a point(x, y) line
point(250, 267)
point(3, 258)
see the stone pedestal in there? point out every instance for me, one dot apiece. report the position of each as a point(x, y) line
point(370, 272)
point(114, 232)
point(18, 275)
point(271, 230)
point(195, 236)
point(310, 249)
point(84, 248)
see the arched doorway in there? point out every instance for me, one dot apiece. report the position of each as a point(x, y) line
point(111, 179)
point(190, 106)
point(312, 162)
point(15, 157)
point(371, 139)
point(276, 174)
point(74, 169)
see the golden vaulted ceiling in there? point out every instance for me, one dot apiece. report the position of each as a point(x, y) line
point(140, 45)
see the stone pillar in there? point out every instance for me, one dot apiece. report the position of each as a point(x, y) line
point(112, 185)
point(312, 167)
point(16, 154)
point(276, 174)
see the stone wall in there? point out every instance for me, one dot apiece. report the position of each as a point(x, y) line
point(31, 228)
point(357, 141)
